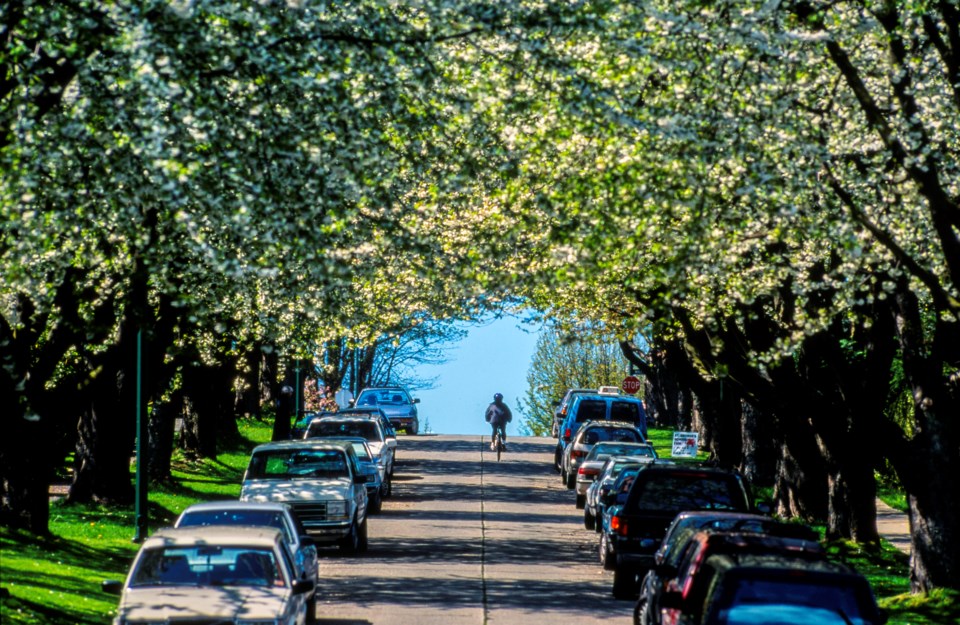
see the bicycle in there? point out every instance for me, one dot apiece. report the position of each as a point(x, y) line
point(498, 444)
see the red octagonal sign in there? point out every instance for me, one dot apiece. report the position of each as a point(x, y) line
point(631, 384)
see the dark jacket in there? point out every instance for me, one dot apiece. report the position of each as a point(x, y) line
point(499, 414)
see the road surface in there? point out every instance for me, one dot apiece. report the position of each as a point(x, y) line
point(468, 540)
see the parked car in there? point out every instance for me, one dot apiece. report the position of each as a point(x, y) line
point(609, 505)
point(322, 482)
point(589, 434)
point(764, 589)
point(601, 493)
point(215, 574)
point(366, 427)
point(657, 495)
point(593, 462)
point(378, 482)
point(399, 407)
point(598, 407)
point(692, 576)
point(262, 514)
point(684, 526)
point(561, 410)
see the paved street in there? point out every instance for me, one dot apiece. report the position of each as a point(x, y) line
point(468, 540)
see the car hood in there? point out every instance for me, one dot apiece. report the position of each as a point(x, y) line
point(398, 411)
point(377, 447)
point(293, 490)
point(163, 603)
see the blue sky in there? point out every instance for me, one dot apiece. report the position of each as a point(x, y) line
point(494, 357)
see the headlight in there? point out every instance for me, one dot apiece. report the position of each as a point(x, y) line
point(337, 508)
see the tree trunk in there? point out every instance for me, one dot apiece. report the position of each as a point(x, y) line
point(760, 445)
point(247, 401)
point(161, 427)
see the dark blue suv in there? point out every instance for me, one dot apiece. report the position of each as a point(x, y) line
point(599, 407)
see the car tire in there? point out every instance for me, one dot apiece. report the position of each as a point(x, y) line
point(388, 488)
point(376, 503)
point(362, 539)
point(571, 481)
point(350, 544)
point(607, 560)
point(414, 429)
point(640, 611)
point(312, 608)
point(589, 521)
point(581, 502)
point(624, 586)
point(557, 461)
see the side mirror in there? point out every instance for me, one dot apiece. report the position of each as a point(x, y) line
point(416, 400)
point(351, 402)
point(307, 541)
point(359, 479)
point(112, 586)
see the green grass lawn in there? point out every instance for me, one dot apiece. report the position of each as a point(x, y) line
point(57, 581)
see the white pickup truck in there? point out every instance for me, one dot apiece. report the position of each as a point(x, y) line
point(323, 483)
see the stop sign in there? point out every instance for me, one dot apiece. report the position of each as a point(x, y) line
point(631, 384)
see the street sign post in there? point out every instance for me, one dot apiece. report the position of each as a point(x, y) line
point(630, 384)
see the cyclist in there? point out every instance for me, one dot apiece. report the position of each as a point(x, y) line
point(498, 416)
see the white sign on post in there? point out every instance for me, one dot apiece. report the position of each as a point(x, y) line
point(685, 444)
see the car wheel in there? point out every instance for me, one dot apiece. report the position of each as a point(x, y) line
point(388, 488)
point(376, 503)
point(607, 560)
point(581, 502)
point(624, 586)
point(312, 608)
point(557, 461)
point(414, 429)
point(640, 612)
point(362, 541)
point(571, 481)
point(589, 521)
point(350, 543)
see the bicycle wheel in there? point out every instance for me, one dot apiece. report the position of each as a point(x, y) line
point(499, 447)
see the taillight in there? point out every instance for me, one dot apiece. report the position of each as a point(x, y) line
point(577, 454)
point(566, 434)
point(587, 471)
point(618, 525)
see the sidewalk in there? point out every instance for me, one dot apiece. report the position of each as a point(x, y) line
point(893, 526)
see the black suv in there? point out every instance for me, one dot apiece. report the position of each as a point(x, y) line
point(638, 522)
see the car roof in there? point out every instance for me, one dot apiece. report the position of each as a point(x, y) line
point(608, 424)
point(303, 443)
point(607, 397)
point(253, 536)
point(382, 388)
point(233, 504)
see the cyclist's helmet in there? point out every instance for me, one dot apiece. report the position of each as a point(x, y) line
point(498, 396)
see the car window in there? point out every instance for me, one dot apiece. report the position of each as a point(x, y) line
point(802, 591)
point(625, 411)
point(623, 435)
point(298, 464)
point(258, 518)
point(208, 565)
point(688, 491)
point(591, 410)
point(364, 429)
point(392, 397)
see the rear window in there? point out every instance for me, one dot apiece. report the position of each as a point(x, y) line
point(780, 599)
point(591, 410)
point(674, 492)
point(625, 411)
point(294, 464)
point(268, 518)
point(620, 435)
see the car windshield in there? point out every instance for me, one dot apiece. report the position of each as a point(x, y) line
point(294, 464)
point(393, 397)
point(790, 600)
point(688, 491)
point(258, 518)
point(614, 435)
point(208, 565)
point(364, 429)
